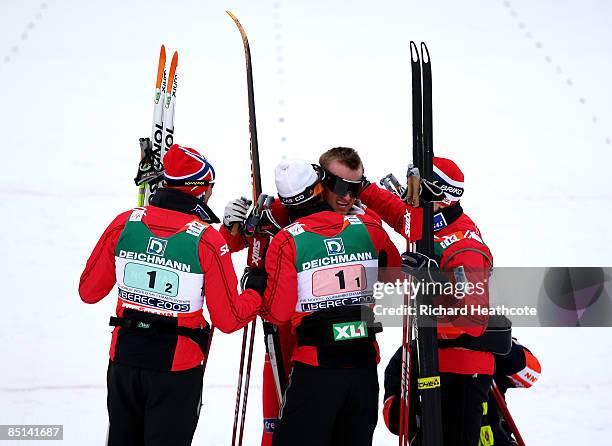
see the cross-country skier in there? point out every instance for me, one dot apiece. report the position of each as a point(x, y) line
point(466, 372)
point(167, 262)
point(321, 269)
point(517, 369)
point(343, 183)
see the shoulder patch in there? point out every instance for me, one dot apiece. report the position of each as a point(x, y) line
point(295, 229)
point(137, 214)
point(195, 228)
point(353, 219)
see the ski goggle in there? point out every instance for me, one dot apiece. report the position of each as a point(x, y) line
point(342, 186)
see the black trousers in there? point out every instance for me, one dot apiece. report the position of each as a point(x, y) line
point(324, 406)
point(462, 410)
point(462, 398)
point(152, 408)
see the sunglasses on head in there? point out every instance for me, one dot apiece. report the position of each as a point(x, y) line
point(342, 186)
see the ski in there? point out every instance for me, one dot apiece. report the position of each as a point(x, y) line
point(169, 104)
point(428, 381)
point(258, 243)
point(152, 150)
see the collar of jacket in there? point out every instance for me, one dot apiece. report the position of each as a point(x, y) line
point(447, 216)
point(294, 214)
point(176, 200)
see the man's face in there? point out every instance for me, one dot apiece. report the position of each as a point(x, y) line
point(342, 204)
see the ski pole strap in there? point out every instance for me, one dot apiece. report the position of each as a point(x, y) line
point(197, 335)
point(496, 339)
point(338, 326)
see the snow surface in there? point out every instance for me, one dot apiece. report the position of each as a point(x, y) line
point(521, 100)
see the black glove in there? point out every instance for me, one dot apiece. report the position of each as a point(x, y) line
point(422, 267)
point(431, 192)
point(254, 279)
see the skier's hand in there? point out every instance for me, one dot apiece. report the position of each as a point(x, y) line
point(419, 189)
point(235, 214)
point(430, 192)
point(413, 186)
point(422, 267)
point(254, 279)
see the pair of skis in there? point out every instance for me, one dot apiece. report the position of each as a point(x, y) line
point(150, 169)
point(258, 243)
point(428, 381)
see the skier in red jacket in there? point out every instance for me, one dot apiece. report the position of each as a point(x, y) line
point(517, 369)
point(343, 184)
point(321, 270)
point(461, 253)
point(167, 262)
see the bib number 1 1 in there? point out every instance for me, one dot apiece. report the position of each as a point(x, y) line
point(341, 279)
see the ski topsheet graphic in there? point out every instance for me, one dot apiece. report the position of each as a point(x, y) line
point(150, 169)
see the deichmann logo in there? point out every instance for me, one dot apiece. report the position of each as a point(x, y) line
point(430, 382)
point(334, 246)
point(157, 246)
point(350, 330)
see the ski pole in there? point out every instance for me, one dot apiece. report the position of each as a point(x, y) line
point(241, 372)
point(503, 407)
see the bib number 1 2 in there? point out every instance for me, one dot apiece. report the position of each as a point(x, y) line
point(149, 278)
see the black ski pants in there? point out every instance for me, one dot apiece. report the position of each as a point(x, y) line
point(152, 408)
point(462, 410)
point(325, 406)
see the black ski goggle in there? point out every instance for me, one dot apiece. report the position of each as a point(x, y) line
point(342, 186)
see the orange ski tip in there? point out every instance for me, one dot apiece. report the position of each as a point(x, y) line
point(172, 72)
point(161, 65)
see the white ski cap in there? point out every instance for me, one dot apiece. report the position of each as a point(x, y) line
point(295, 180)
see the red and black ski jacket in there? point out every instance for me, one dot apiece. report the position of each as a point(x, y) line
point(463, 250)
point(228, 310)
point(281, 295)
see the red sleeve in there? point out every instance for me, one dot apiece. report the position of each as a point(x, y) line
point(280, 297)
point(229, 310)
point(234, 242)
point(404, 219)
point(98, 277)
point(238, 242)
point(476, 269)
point(387, 252)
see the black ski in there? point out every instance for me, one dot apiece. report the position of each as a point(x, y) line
point(258, 242)
point(428, 382)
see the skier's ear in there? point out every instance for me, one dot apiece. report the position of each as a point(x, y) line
point(206, 195)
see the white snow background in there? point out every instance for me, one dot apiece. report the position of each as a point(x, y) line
point(521, 102)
